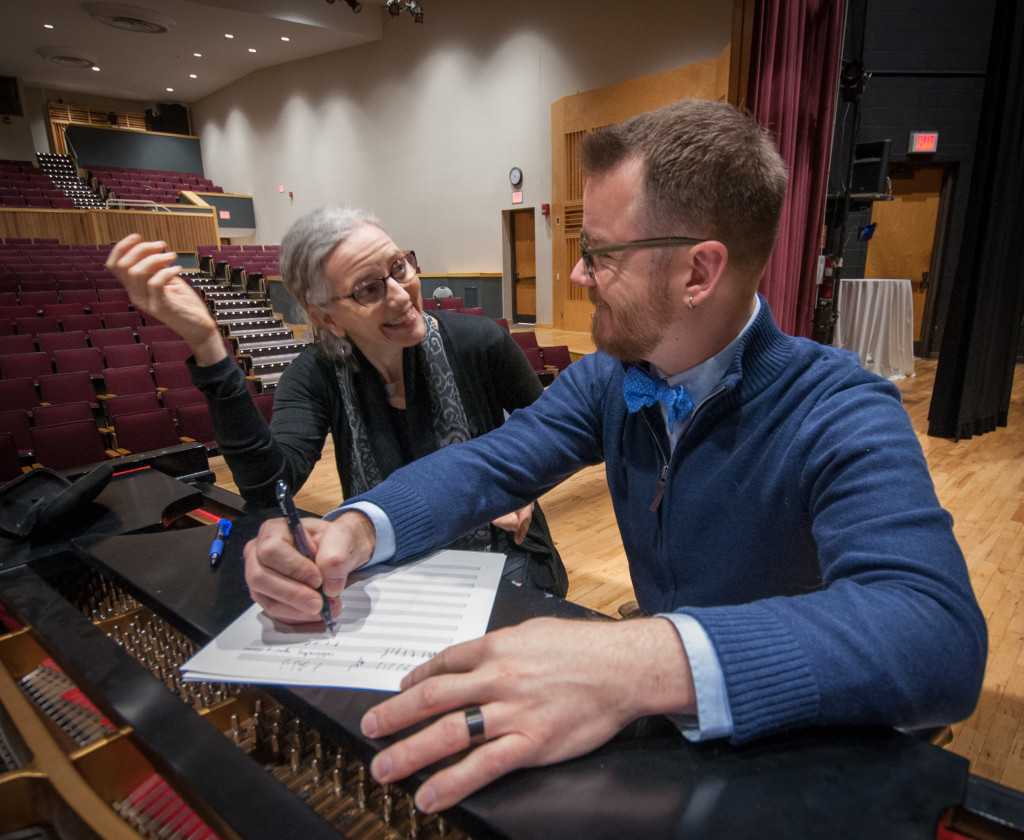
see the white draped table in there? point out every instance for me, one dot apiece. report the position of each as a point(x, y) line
point(876, 321)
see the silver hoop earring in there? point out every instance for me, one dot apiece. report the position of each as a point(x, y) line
point(691, 304)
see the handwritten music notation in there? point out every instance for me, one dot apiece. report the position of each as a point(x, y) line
point(393, 618)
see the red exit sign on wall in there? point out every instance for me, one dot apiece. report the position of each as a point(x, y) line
point(923, 141)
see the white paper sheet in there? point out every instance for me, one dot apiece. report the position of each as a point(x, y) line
point(392, 619)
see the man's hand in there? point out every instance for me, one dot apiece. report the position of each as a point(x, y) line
point(517, 521)
point(285, 583)
point(147, 271)
point(548, 690)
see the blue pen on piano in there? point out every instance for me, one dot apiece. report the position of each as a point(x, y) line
point(291, 515)
point(217, 549)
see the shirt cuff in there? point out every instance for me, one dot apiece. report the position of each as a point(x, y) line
point(384, 548)
point(714, 717)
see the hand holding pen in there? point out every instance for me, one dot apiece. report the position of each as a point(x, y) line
point(291, 515)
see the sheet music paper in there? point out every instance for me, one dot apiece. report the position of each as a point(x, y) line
point(392, 619)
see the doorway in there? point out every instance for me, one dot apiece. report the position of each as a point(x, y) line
point(904, 243)
point(524, 265)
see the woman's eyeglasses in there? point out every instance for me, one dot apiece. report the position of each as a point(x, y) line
point(372, 292)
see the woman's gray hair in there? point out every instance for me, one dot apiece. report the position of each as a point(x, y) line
point(305, 247)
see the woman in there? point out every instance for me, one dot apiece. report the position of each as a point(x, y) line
point(390, 383)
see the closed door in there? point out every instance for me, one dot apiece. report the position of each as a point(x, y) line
point(524, 267)
point(904, 240)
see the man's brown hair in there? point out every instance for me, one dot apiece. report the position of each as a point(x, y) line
point(709, 171)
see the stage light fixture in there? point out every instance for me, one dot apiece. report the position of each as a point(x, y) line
point(395, 8)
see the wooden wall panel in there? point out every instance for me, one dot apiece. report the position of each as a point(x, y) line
point(181, 231)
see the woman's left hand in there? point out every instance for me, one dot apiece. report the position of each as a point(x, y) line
point(517, 521)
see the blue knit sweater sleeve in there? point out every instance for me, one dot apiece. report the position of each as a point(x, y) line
point(435, 499)
point(892, 634)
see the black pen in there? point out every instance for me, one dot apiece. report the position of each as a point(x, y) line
point(291, 515)
point(217, 549)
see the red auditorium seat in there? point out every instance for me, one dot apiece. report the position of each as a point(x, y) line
point(75, 386)
point(127, 355)
point(145, 431)
point(48, 415)
point(17, 425)
point(64, 446)
point(10, 461)
point(19, 393)
point(129, 380)
point(21, 365)
point(89, 359)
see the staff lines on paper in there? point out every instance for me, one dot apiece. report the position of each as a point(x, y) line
point(391, 620)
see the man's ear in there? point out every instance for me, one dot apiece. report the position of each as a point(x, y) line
point(708, 260)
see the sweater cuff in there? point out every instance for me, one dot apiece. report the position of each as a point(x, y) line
point(222, 379)
point(410, 518)
point(769, 681)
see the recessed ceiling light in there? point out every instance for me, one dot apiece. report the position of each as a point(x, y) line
point(47, 26)
point(285, 38)
point(170, 90)
point(192, 76)
point(252, 49)
point(97, 69)
point(198, 55)
point(228, 35)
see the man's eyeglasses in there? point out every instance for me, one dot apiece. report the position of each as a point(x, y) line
point(589, 253)
point(372, 292)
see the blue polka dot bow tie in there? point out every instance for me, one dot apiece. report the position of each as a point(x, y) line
point(641, 390)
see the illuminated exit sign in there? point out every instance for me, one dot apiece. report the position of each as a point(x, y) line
point(923, 141)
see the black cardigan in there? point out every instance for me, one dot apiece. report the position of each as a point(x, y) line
point(491, 372)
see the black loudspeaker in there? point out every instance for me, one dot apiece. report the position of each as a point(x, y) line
point(10, 97)
point(871, 168)
point(169, 119)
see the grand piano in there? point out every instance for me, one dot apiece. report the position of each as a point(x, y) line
point(100, 737)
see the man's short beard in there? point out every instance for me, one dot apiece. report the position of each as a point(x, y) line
point(640, 326)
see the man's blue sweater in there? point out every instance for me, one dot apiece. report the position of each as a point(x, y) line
point(798, 524)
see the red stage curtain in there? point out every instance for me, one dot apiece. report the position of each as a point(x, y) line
point(794, 70)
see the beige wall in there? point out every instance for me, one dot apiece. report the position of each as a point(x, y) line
point(423, 125)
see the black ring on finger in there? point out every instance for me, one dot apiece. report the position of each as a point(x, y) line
point(475, 724)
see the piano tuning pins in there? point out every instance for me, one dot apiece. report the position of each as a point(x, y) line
point(361, 787)
point(332, 783)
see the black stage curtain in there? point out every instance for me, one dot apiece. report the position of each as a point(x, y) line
point(983, 327)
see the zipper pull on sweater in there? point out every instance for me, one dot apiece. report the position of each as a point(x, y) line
point(661, 488)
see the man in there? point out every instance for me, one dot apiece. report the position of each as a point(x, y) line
point(781, 527)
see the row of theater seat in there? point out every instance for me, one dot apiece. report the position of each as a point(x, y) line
point(25, 184)
point(22, 184)
point(77, 433)
point(222, 260)
point(159, 186)
point(74, 344)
